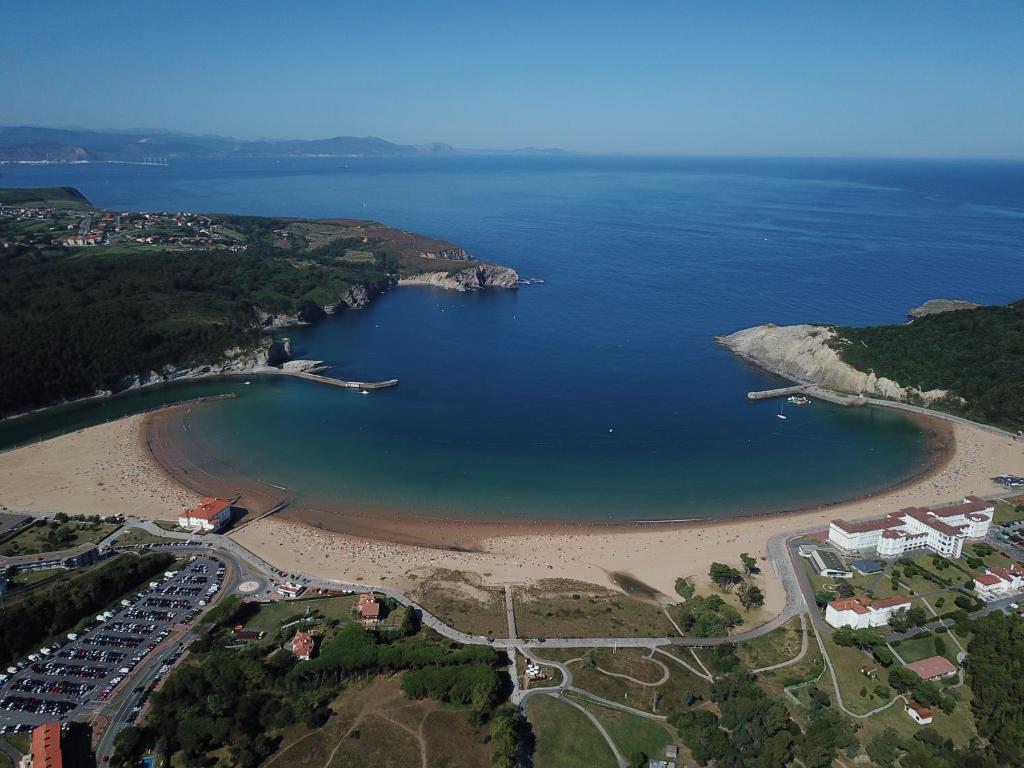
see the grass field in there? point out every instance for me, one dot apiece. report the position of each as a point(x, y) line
point(20, 741)
point(32, 577)
point(461, 600)
point(564, 608)
point(139, 536)
point(32, 539)
point(676, 694)
point(633, 735)
point(917, 648)
point(374, 725)
point(777, 646)
point(565, 736)
point(858, 691)
point(1006, 513)
point(271, 616)
point(958, 726)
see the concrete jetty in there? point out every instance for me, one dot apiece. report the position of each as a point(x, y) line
point(809, 390)
point(363, 386)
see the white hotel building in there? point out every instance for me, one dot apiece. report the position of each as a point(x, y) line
point(942, 530)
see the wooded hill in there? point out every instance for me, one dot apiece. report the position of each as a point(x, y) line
point(78, 319)
point(975, 354)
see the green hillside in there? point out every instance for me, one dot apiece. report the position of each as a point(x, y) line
point(167, 289)
point(976, 354)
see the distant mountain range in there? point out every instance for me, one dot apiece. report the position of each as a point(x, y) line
point(32, 144)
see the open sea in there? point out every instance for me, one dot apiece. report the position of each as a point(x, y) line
point(596, 392)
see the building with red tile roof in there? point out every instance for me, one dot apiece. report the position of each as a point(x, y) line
point(999, 581)
point(861, 612)
point(46, 752)
point(369, 608)
point(303, 646)
point(943, 530)
point(933, 668)
point(920, 715)
point(211, 515)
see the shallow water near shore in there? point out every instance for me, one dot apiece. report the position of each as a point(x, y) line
point(597, 394)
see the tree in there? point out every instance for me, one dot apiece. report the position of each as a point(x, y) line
point(844, 589)
point(750, 595)
point(749, 564)
point(410, 622)
point(685, 588)
point(940, 646)
point(884, 748)
point(725, 576)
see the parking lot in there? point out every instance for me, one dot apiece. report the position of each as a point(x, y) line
point(85, 669)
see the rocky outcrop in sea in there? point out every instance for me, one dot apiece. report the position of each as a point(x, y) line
point(473, 278)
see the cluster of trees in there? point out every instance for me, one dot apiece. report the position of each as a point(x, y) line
point(975, 354)
point(995, 672)
point(234, 698)
point(755, 731)
point(708, 616)
point(80, 323)
point(58, 608)
point(927, 749)
point(923, 691)
point(728, 578)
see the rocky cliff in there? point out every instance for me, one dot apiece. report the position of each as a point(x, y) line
point(937, 306)
point(804, 353)
point(473, 278)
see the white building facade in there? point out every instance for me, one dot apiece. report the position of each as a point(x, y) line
point(211, 515)
point(943, 530)
point(862, 612)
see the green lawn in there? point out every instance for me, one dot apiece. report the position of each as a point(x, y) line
point(1006, 513)
point(565, 737)
point(777, 646)
point(917, 648)
point(632, 734)
point(167, 525)
point(272, 615)
point(20, 741)
point(34, 539)
point(32, 577)
point(847, 663)
point(140, 536)
point(958, 726)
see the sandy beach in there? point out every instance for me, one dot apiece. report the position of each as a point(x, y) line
point(110, 469)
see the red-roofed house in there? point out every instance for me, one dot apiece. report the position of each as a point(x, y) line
point(46, 746)
point(943, 530)
point(933, 668)
point(369, 609)
point(920, 715)
point(303, 646)
point(862, 612)
point(999, 581)
point(210, 515)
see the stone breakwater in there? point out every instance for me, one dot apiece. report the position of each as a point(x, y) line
point(803, 353)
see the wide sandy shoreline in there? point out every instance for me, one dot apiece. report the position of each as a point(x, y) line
point(136, 466)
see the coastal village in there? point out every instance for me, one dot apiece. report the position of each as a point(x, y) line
point(72, 228)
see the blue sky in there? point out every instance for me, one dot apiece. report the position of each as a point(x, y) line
point(937, 78)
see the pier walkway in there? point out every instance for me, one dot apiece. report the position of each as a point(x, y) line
point(810, 390)
point(360, 385)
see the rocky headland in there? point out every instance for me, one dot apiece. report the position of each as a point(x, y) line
point(937, 306)
point(807, 354)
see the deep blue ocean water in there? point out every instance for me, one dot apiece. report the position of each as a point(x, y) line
point(598, 393)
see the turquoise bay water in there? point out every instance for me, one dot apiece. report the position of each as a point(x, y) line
point(598, 394)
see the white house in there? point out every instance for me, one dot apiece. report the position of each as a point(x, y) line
point(943, 530)
point(210, 515)
point(920, 715)
point(998, 581)
point(862, 612)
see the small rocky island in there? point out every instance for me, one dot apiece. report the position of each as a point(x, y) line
point(938, 306)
